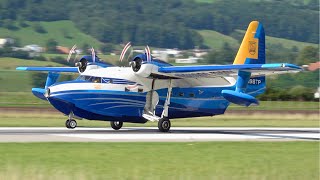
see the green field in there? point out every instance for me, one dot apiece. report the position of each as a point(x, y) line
point(207, 160)
point(46, 119)
point(18, 81)
point(8, 63)
point(55, 30)
point(215, 40)
point(212, 1)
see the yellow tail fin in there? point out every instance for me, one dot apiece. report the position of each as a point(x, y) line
point(252, 48)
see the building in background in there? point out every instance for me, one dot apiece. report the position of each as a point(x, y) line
point(4, 41)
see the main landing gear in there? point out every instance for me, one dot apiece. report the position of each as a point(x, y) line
point(116, 125)
point(164, 124)
point(152, 100)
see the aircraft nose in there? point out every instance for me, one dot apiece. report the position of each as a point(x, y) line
point(47, 92)
point(59, 100)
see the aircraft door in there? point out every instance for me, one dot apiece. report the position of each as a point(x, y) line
point(152, 100)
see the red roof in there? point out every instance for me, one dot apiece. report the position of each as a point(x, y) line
point(314, 66)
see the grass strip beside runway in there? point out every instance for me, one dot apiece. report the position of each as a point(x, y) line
point(25, 119)
point(207, 160)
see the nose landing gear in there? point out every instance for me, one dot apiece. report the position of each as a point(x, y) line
point(116, 125)
point(71, 123)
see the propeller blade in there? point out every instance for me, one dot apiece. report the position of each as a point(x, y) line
point(72, 50)
point(124, 50)
point(93, 54)
point(148, 54)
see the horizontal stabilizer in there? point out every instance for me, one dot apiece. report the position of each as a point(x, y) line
point(50, 69)
point(239, 98)
point(39, 93)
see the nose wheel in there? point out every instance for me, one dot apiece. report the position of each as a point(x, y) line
point(116, 125)
point(164, 125)
point(71, 124)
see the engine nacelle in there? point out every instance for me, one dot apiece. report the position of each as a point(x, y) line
point(141, 67)
point(146, 70)
point(85, 64)
point(82, 65)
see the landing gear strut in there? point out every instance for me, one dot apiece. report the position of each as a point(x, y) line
point(71, 124)
point(164, 124)
point(116, 125)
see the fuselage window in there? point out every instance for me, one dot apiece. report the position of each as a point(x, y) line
point(181, 94)
point(191, 94)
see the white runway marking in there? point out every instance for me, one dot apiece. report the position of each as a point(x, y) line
point(151, 134)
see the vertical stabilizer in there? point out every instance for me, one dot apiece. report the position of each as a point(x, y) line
point(251, 51)
point(252, 48)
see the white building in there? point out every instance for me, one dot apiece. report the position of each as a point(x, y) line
point(34, 47)
point(4, 41)
point(188, 60)
point(164, 54)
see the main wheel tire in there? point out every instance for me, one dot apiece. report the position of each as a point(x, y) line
point(164, 125)
point(72, 124)
point(116, 125)
point(67, 123)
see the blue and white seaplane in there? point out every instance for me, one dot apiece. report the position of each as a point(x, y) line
point(152, 90)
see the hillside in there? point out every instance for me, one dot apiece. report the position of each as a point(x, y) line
point(165, 24)
point(64, 32)
point(215, 40)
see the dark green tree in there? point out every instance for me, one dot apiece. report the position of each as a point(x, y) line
point(51, 46)
point(308, 55)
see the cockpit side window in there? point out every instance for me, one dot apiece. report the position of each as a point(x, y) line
point(87, 78)
point(81, 78)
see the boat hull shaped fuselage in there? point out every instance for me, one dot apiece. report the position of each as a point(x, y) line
point(111, 105)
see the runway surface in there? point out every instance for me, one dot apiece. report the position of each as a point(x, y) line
point(151, 134)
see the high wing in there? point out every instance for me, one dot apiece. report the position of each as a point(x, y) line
point(50, 69)
point(225, 70)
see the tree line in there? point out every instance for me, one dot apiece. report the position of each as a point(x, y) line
point(169, 23)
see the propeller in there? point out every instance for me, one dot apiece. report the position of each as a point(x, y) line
point(93, 55)
point(124, 50)
point(72, 51)
point(148, 54)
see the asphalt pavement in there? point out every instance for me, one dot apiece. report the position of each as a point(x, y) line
point(151, 134)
